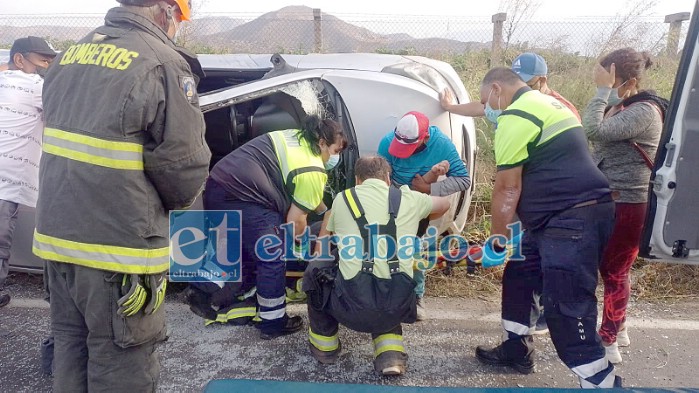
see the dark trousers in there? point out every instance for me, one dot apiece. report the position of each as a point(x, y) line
point(619, 256)
point(268, 276)
point(522, 284)
point(95, 349)
point(562, 260)
point(8, 222)
point(323, 320)
point(324, 323)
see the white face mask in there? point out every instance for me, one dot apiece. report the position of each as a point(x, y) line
point(332, 161)
point(614, 98)
point(177, 30)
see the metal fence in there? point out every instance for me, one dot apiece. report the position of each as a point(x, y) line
point(305, 30)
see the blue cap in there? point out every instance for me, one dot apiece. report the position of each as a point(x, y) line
point(528, 65)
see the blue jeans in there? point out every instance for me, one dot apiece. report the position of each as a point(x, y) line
point(419, 277)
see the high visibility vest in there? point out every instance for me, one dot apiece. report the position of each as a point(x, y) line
point(295, 157)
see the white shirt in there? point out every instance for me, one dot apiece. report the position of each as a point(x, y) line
point(21, 128)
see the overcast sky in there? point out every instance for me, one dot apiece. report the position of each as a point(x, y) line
point(548, 9)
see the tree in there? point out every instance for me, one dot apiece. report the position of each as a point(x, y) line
point(627, 29)
point(188, 31)
point(517, 10)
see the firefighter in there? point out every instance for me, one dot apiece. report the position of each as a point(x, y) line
point(276, 178)
point(547, 177)
point(123, 145)
point(371, 291)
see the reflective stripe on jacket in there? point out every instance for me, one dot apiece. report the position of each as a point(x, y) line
point(302, 171)
point(124, 144)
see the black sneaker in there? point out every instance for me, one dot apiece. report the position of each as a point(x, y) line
point(292, 325)
point(4, 299)
point(200, 304)
point(497, 357)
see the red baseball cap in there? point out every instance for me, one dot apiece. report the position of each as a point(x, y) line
point(410, 131)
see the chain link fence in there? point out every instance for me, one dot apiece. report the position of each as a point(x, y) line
point(300, 29)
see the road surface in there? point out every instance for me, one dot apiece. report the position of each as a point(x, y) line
point(663, 352)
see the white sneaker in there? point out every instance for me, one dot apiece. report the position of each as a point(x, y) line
point(421, 313)
point(612, 353)
point(622, 338)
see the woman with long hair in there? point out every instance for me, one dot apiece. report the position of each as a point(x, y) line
point(276, 178)
point(623, 123)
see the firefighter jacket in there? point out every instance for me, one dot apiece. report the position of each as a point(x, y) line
point(123, 144)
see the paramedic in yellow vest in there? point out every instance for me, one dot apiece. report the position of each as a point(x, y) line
point(274, 179)
point(123, 145)
point(372, 292)
point(547, 177)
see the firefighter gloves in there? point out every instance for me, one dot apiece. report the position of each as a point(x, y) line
point(139, 289)
point(156, 284)
point(135, 296)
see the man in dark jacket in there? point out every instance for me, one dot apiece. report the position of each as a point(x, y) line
point(123, 145)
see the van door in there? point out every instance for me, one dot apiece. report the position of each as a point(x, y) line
point(672, 224)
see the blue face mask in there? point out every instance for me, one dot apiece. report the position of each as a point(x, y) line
point(332, 162)
point(490, 113)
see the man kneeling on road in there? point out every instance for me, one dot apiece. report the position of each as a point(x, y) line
point(371, 289)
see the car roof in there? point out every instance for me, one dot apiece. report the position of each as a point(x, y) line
point(250, 62)
point(345, 61)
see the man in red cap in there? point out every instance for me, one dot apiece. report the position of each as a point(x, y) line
point(419, 154)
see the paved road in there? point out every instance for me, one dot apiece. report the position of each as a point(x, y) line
point(663, 352)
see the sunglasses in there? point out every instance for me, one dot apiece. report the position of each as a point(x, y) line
point(407, 141)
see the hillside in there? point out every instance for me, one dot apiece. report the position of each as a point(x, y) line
point(292, 29)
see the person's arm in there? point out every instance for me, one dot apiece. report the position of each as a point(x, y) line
point(176, 161)
point(627, 124)
point(439, 169)
point(472, 109)
point(37, 100)
point(457, 179)
point(440, 205)
point(298, 217)
point(321, 209)
point(4, 67)
point(324, 231)
point(506, 193)
point(511, 153)
point(633, 121)
point(307, 197)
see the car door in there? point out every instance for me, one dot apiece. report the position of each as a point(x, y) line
point(672, 225)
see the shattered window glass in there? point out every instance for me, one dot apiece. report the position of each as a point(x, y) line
point(309, 93)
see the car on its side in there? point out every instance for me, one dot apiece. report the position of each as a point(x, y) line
point(247, 95)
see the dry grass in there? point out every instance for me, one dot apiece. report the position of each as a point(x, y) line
point(649, 282)
point(657, 281)
point(484, 284)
